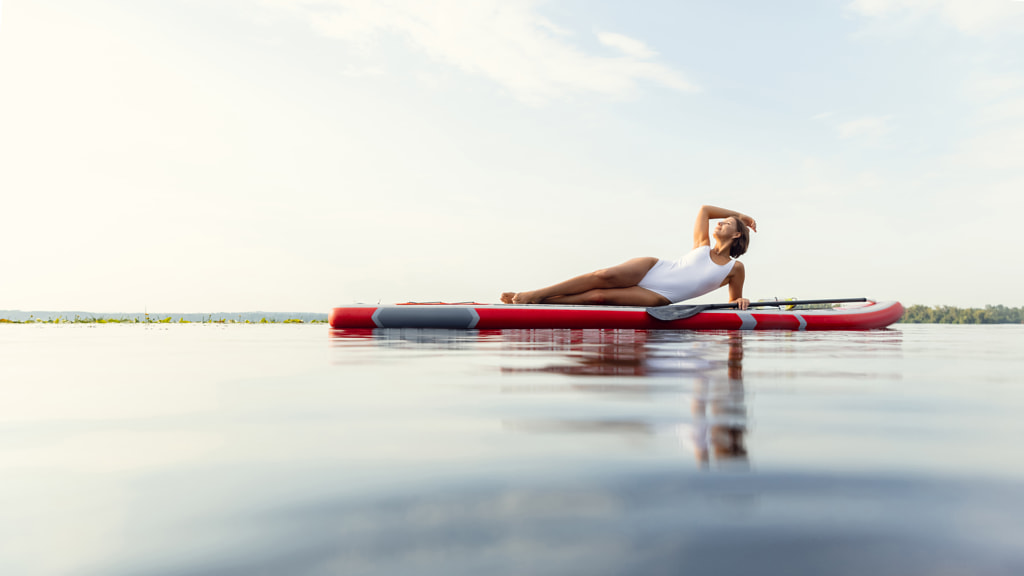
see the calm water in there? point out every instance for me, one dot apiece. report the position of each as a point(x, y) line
point(242, 450)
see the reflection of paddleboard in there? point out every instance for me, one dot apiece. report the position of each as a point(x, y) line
point(503, 316)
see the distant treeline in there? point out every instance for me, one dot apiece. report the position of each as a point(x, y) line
point(952, 315)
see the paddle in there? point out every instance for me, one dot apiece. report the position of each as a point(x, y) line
point(678, 312)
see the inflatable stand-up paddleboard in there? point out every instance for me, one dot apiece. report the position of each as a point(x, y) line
point(864, 316)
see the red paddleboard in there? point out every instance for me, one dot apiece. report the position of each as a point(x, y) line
point(867, 316)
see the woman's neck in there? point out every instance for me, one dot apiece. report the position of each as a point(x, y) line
point(721, 250)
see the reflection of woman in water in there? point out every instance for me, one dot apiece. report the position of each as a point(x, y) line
point(650, 281)
point(720, 413)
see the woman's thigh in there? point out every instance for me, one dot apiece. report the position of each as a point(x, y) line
point(629, 273)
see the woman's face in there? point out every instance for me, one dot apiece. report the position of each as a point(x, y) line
point(726, 228)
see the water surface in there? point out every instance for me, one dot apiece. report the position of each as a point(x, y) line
point(213, 449)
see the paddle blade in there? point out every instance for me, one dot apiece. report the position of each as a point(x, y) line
point(675, 312)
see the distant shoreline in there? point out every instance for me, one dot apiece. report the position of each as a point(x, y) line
point(79, 317)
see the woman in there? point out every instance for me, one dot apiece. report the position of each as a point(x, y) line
point(654, 282)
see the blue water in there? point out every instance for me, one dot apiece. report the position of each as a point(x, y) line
point(272, 449)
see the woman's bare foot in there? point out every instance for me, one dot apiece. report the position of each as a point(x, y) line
point(529, 297)
point(506, 297)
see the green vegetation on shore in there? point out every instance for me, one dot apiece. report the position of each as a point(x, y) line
point(952, 315)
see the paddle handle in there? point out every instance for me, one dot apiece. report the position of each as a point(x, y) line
point(792, 302)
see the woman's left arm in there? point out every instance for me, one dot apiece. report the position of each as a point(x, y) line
point(735, 280)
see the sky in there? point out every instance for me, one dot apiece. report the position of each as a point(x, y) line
point(296, 155)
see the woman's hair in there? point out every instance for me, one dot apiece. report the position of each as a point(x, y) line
point(739, 245)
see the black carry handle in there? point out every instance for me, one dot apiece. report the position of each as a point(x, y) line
point(679, 312)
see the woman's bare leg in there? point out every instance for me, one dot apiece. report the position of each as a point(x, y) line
point(625, 275)
point(632, 296)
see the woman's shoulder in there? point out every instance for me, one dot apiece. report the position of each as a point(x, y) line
point(696, 253)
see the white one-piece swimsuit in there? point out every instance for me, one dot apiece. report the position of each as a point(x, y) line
point(695, 274)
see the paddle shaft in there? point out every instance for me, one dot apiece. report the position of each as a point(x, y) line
point(785, 303)
point(681, 312)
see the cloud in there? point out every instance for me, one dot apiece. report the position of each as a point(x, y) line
point(504, 40)
point(967, 16)
point(556, 29)
point(627, 45)
point(865, 127)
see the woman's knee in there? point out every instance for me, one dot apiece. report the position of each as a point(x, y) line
point(595, 297)
point(607, 276)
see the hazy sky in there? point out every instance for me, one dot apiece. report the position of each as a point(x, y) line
point(294, 155)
